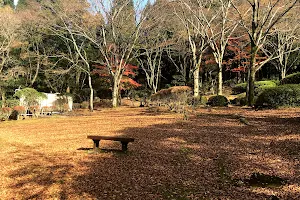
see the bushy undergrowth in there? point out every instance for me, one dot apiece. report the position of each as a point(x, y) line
point(102, 103)
point(198, 101)
point(176, 98)
point(291, 79)
point(76, 106)
point(5, 113)
point(218, 100)
point(282, 96)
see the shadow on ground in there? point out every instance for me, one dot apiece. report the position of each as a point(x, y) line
point(196, 159)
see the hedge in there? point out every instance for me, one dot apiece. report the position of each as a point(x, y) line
point(282, 96)
point(259, 87)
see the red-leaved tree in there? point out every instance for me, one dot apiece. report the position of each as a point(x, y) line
point(127, 81)
point(239, 62)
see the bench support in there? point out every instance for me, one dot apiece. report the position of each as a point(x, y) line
point(96, 144)
point(124, 146)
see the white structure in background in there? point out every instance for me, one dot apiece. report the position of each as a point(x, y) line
point(52, 98)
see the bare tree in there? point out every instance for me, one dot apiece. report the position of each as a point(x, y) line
point(181, 52)
point(69, 20)
point(154, 41)
point(258, 20)
point(195, 33)
point(284, 45)
point(115, 39)
point(9, 28)
point(214, 26)
point(152, 66)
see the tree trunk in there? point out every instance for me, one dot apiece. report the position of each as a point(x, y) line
point(251, 88)
point(154, 90)
point(116, 91)
point(115, 96)
point(283, 73)
point(220, 80)
point(77, 78)
point(91, 94)
point(3, 98)
point(251, 77)
point(36, 73)
point(196, 82)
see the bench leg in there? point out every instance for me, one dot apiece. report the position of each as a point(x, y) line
point(124, 146)
point(96, 144)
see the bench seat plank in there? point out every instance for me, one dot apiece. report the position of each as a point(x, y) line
point(114, 138)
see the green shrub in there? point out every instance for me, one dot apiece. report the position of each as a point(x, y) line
point(239, 88)
point(259, 87)
point(243, 101)
point(277, 82)
point(218, 100)
point(30, 96)
point(12, 103)
point(291, 79)
point(284, 95)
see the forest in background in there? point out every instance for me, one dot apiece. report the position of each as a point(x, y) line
point(110, 49)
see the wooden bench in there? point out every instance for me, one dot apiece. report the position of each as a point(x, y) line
point(124, 140)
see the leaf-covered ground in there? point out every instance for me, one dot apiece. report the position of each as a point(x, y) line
point(209, 156)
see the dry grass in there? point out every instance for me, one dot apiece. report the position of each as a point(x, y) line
point(48, 158)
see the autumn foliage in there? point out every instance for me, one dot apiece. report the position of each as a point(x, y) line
point(127, 81)
point(238, 50)
point(171, 92)
point(20, 109)
point(6, 111)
